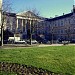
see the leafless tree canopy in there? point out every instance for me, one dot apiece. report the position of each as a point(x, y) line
point(34, 10)
point(6, 6)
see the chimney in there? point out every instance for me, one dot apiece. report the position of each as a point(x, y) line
point(71, 11)
point(50, 17)
point(56, 15)
point(73, 8)
point(63, 13)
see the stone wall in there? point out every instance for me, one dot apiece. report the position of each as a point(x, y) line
point(24, 69)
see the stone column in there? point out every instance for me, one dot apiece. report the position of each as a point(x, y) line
point(10, 26)
point(0, 3)
point(33, 25)
point(17, 25)
point(37, 27)
point(25, 25)
point(30, 25)
point(22, 25)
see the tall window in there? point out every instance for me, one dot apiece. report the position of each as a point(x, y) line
point(69, 21)
point(61, 23)
point(62, 31)
point(58, 22)
point(55, 23)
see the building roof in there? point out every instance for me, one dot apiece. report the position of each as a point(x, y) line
point(29, 14)
point(10, 14)
point(60, 17)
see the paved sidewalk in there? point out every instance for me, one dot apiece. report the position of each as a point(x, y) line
point(45, 45)
point(8, 46)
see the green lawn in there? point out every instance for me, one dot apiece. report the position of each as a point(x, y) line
point(6, 73)
point(59, 59)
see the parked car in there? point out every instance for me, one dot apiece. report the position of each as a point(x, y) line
point(65, 42)
point(20, 42)
point(5, 41)
point(72, 41)
point(32, 41)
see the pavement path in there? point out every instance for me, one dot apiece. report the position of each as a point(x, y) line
point(45, 45)
point(8, 46)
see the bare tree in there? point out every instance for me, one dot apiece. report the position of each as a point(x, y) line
point(68, 32)
point(32, 27)
point(34, 10)
point(6, 7)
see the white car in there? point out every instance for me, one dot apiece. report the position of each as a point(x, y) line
point(32, 41)
point(20, 42)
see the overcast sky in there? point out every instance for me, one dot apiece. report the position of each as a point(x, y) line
point(47, 8)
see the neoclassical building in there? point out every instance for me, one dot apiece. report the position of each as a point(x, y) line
point(26, 23)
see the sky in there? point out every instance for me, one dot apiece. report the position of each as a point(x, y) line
point(46, 8)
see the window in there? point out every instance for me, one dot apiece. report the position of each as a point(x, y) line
point(69, 21)
point(58, 31)
point(65, 20)
point(55, 23)
point(62, 31)
point(61, 23)
point(58, 22)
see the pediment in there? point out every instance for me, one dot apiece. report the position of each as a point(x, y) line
point(28, 14)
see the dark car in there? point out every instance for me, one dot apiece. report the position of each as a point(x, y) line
point(72, 41)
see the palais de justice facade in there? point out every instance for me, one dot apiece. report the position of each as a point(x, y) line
point(61, 27)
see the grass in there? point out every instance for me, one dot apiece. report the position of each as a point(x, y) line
point(6, 73)
point(59, 59)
